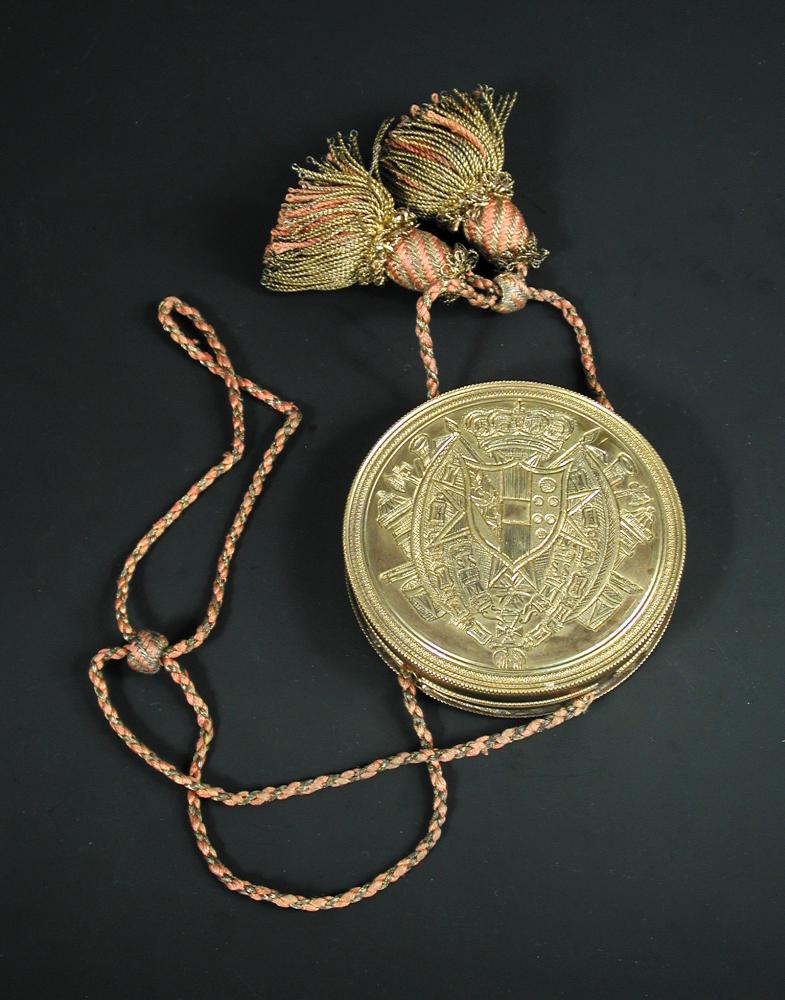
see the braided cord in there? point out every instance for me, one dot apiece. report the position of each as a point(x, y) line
point(478, 291)
point(147, 652)
point(570, 314)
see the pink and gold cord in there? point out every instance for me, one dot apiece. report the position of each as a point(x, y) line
point(147, 651)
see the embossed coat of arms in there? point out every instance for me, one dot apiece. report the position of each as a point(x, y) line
point(512, 525)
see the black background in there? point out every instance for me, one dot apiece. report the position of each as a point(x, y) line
point(637, 852)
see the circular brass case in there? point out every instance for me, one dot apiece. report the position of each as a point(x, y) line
point(513, 545)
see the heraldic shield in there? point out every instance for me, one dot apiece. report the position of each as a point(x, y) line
point(513, 509)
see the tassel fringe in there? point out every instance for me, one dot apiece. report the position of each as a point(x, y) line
point(445, 161)
point(337, 228)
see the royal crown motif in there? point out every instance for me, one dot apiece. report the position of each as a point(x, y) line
point(539, 431)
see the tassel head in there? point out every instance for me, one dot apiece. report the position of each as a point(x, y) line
point(422, 261)
point(501, 230)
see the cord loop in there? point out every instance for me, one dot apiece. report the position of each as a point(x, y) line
point(147, 652)
point(508, 292)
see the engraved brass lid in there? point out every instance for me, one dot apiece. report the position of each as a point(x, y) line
point(513, 545)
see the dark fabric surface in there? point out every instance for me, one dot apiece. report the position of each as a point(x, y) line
point(636, 852)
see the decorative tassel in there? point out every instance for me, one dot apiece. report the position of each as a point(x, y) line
point(336, 228)
point(445, 161)
point(341, 227)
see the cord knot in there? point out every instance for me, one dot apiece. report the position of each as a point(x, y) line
point(513, 292)
point(145, 651)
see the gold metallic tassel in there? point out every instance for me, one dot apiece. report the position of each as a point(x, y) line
point(445, 161)
point(337, 227)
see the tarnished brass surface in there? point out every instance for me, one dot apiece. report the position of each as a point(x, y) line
point(513, 545)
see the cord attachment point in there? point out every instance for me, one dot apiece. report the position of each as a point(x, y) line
point(513, 292)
